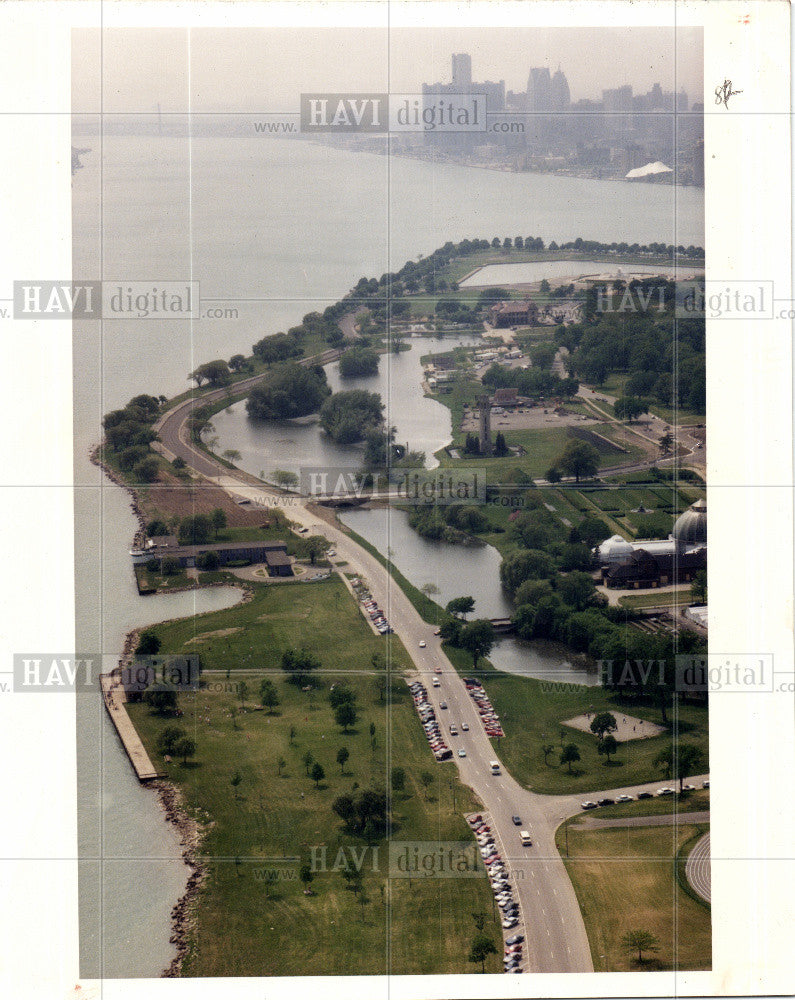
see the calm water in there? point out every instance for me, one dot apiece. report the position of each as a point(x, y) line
point(455, 571)
point(495, 274)
point(422, 423)
point(288, 227)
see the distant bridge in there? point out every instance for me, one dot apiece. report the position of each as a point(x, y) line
point(503, 626)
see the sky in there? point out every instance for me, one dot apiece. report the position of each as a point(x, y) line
point(266, 69)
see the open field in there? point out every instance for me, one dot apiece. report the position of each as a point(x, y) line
point(682, 595)
point(665, 805)
point(625, 879)
point(278, 817)
point(532, 713)
point(320, 617)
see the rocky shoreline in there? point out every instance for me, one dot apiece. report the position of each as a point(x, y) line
point(184, 912)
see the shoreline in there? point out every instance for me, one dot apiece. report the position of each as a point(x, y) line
point(169, 797)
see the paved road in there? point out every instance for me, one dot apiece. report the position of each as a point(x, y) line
point(698, 868)
point(556, 940)
point(591, 822)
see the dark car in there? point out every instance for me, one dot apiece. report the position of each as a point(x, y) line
point(517, 820)
point(645, 795)
point(607, 802)
point(515, 939)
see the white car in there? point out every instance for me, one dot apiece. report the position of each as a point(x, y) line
point(664, 791)
point(465, 726)
point(688, 788)
point(422, 644)
point(625, 798)
point(462, 752)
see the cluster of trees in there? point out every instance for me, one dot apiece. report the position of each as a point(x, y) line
point(199, 529)
point(578, 459)
point(453, 523)
point(292, 390)
point(533, 382)
point(343, 703)
point(359, 361)
point(349, 416)
point(298, 665)
point(639, 336)
point(364, 814)
point(213, 372)
point(476, 637)
point(279, 347)
point(129, 433)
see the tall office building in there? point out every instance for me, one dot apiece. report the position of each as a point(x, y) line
point(560, 95)
point(462, 71)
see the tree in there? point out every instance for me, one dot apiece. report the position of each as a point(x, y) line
point(208, 561)
point(345, 715)
point(194, 530)
point(306, 875)
point(237, 362)
point(317, 774)
point(215, 372)
point(290, 391)
point(234, 781)
point(569, 755)
point(242, 690)
point(630, 407)
point(184, 748)
point(398, 777)
point(359, 361)
point(481, 948)
point(608, 746)
point(218, 520)
point(546, 750)
point(287, 480)
point(298, 664)
point(576, 588)
point(268, 695)
point(156, 527)
point(578, 458)
point(460, 607)
point(427, 780)
point(698, 588)
point(353, 880)
point(316, 545)
point(477, 638)
point(169, 566)
point(348, 416)
point(160, 699)
point(640, 941)
point(308, 760)
point(148, 643)
point(342, 755)
point(603, 722)
point(666, 443)
point(677, 761)
point(280, 763)
point(168, 738)
point(146, 470)
point(231, 455)
point(552, 475)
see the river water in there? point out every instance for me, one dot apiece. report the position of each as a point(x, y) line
point(274, 229)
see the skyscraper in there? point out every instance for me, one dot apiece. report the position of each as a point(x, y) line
point(462, 70)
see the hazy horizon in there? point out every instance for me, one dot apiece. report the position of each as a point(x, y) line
point(266, 69)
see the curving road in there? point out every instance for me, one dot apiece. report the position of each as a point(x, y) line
point(556, 940)
point(699, 870)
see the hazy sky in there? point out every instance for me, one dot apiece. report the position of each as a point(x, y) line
point(263, 69)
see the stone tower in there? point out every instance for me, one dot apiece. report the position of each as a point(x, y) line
point(484, 405)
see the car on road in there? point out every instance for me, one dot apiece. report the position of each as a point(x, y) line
point(462, 752)
point(607, 802)
point(624, 798)
point(422, 644)
point(664, 791)
point(705, 784)
point(436, 682)
point(645, 795)
point(688, 788)
point(453, 729)
point(465, 726)
point(438, 631)
point(442, 704)
point(588, 805)
point(517, 820)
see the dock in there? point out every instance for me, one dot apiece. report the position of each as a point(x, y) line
point(115, 697)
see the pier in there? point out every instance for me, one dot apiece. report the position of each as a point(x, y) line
point(115, 697)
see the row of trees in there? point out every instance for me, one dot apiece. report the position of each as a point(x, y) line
point(535, 383)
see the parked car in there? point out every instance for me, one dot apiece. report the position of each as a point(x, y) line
point(705, 784)
point(442, 704)
point(517, 821)
point(607, 802)
point(462, 752)
point(422, 644)
point(645, 795)
point(688, 788)
point(589, 805)
point(465, 726)
point(625, 798)
point(664, 791)
point(516, 939)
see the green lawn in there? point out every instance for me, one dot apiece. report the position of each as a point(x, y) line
point(277, 817)
point(625, 879)
point(531, 712)
point(697, 801)
point(680, 596)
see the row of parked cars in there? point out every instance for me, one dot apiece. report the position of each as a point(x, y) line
point(376, 615)
point(429, 722)
point(665, 790)
point(501, 887)
point(489, 718)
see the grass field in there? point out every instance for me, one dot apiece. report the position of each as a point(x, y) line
point(625, 879)
point(278, 816)
point(697, 801)
point(531, 712)
point(680, 596)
